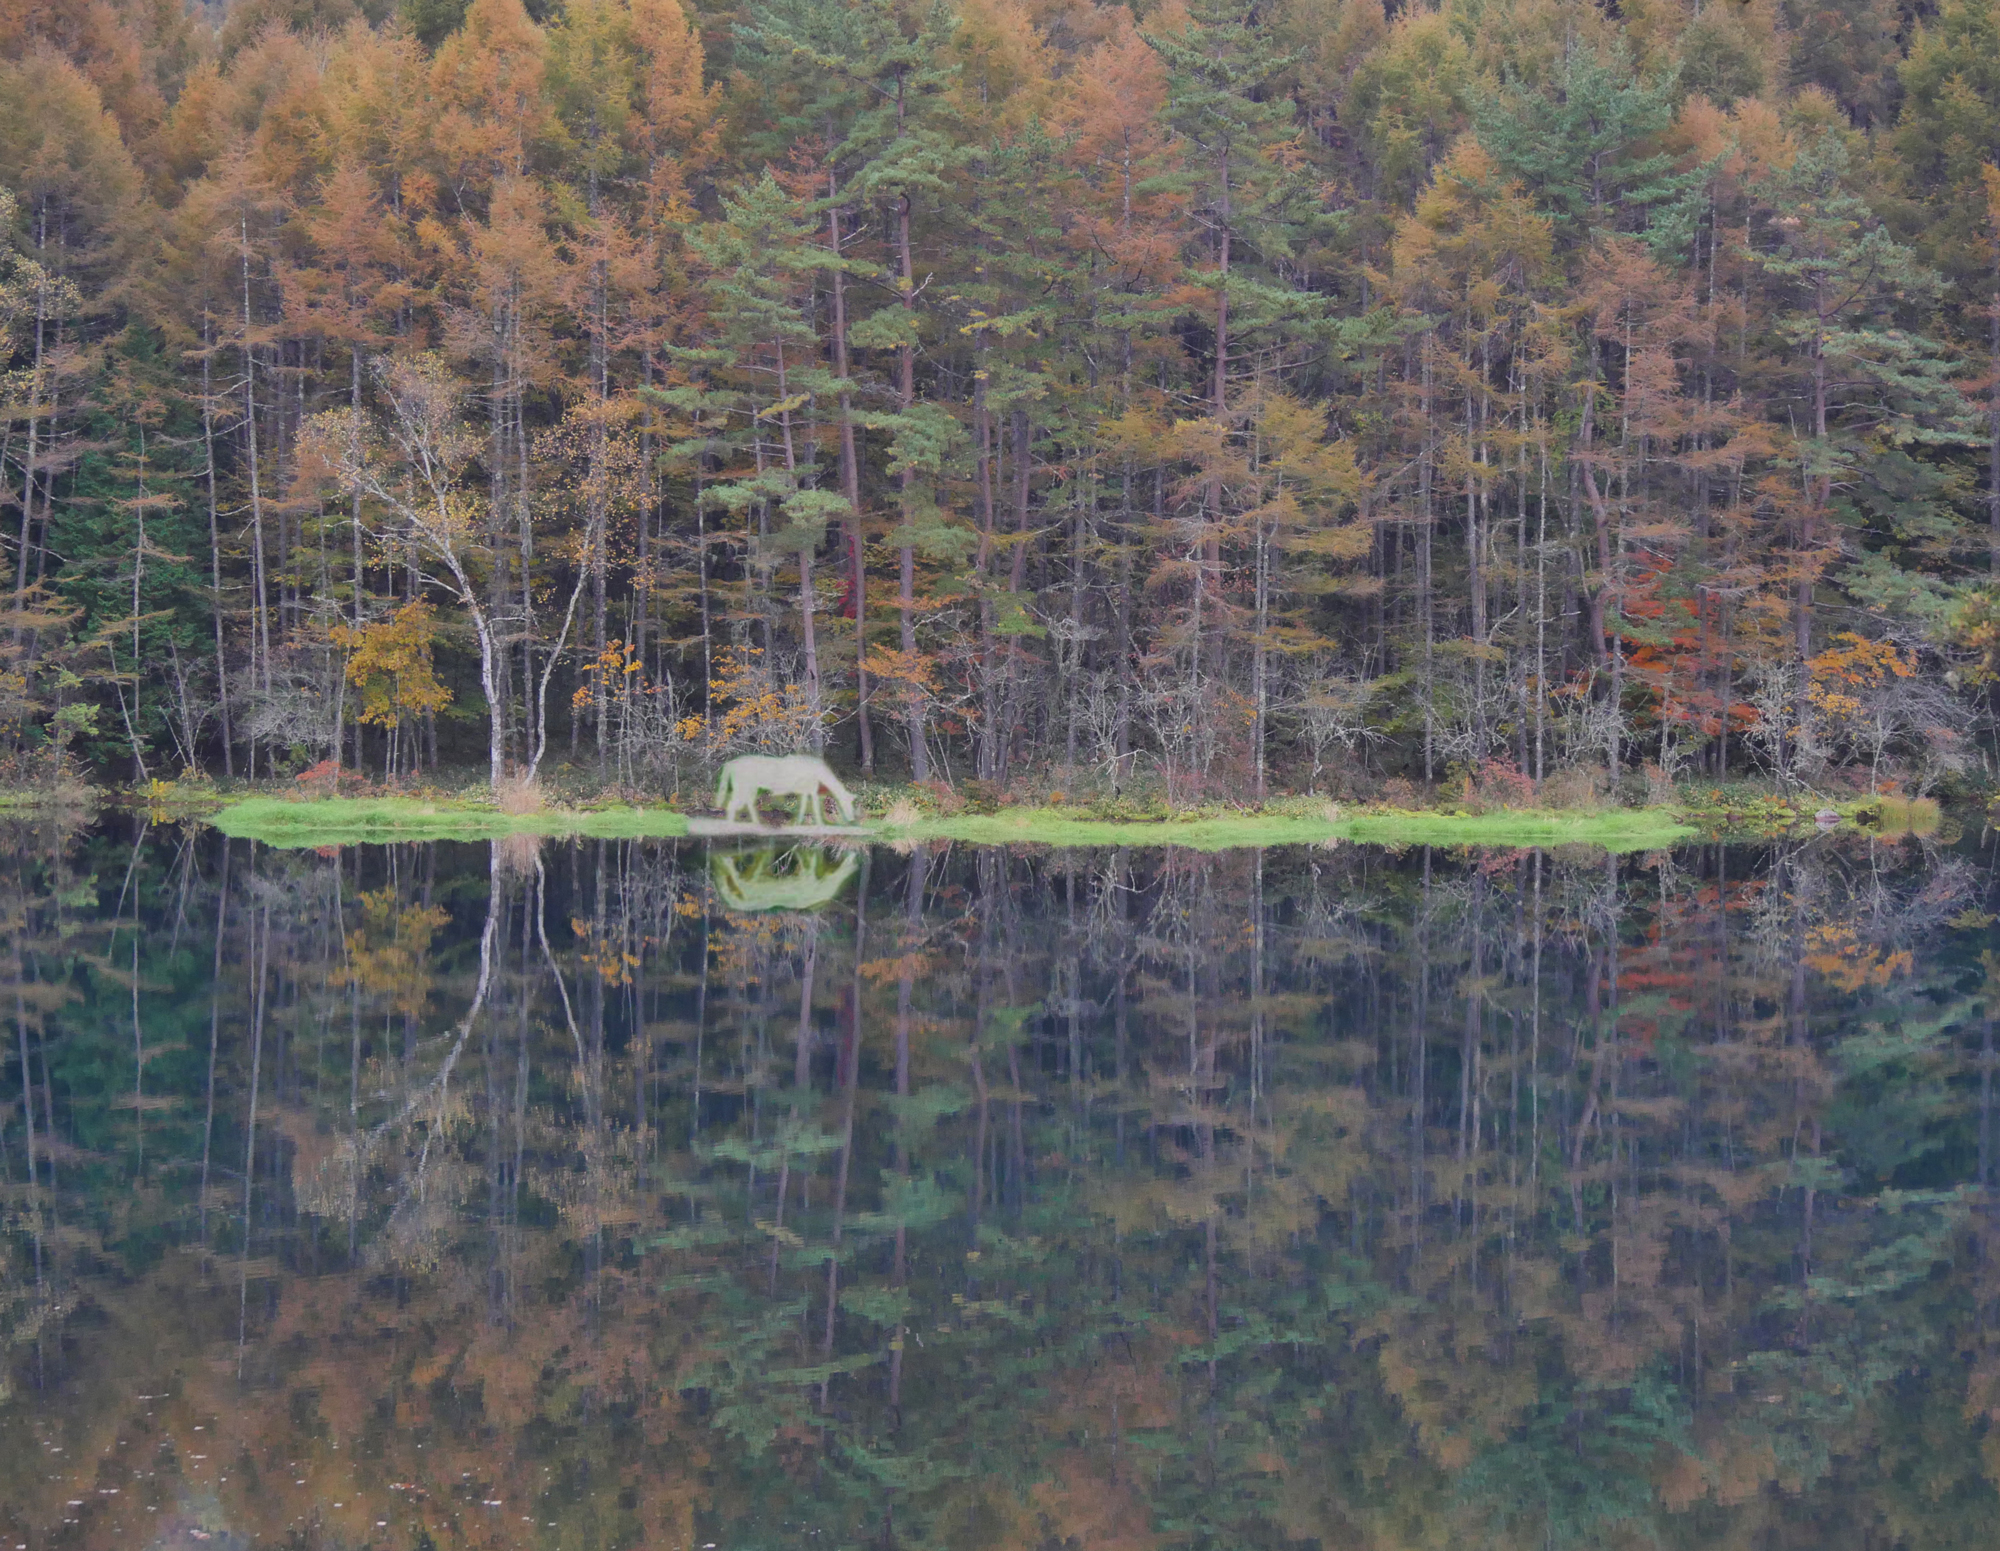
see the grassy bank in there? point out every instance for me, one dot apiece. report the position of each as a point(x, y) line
point(283, 821)
point(1620, 830)
point(280, 821)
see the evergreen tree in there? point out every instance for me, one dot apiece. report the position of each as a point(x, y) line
point(1853, 381)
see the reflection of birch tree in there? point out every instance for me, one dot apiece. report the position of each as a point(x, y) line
point(414, 1218)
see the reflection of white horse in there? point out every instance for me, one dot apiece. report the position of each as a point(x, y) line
point(803, 878)
point(804, 776)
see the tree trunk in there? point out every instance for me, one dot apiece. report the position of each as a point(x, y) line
point(260, 633)
point(215, 549)
point(982, 422)
point(1993, 429)
point(28, 463)
point(850, 486)
point(906, 398)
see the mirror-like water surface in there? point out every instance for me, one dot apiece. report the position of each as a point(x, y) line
point(653, 1195)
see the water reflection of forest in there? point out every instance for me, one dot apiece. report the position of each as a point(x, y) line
point(531, 1196)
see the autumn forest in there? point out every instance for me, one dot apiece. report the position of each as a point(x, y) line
point(1171, 406)
point(1292, 397)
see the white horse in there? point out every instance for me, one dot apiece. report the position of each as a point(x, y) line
point(804, 776)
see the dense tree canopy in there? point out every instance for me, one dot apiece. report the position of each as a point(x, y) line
point(1235, 397)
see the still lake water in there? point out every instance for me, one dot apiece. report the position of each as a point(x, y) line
point(653, 1195)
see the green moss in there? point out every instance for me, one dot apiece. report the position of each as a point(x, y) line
point(376, 820)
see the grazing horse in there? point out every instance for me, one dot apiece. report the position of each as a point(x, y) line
point(804, 776)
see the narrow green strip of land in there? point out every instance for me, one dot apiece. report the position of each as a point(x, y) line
point(279, 821)
point(1619, 830)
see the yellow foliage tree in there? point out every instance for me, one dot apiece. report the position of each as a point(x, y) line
point(390, 663)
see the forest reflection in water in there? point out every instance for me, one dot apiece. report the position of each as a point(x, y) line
point(623, 1194)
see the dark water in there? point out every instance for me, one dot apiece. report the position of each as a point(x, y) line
point(629, 1195)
